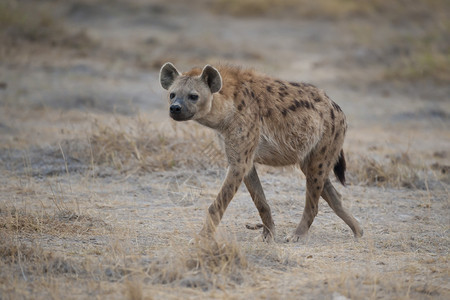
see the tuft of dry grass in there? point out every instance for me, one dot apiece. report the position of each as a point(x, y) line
point(393, 171)
point(62, 223)
point(215, 262)
point(30, 259)
point(143, 146)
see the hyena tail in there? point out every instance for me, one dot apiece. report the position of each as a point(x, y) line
point(339, 168)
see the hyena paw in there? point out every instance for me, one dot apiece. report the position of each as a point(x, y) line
point(264, 238)
point(358, 233)
point(268, 235)
point(294, 238)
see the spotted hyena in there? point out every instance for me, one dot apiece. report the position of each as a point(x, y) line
point(266, 121)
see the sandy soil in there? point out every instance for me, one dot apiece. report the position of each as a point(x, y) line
point(103, 224)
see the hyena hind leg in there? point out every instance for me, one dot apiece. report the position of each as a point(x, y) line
point(313, 189)
point(333, 198)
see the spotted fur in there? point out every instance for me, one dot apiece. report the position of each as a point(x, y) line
point(266, 121)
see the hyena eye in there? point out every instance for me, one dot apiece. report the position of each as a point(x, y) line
point(172, 95)
point(193, 97)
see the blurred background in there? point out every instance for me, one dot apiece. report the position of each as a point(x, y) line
point(105, 54)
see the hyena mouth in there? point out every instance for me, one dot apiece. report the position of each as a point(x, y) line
point(181, 117)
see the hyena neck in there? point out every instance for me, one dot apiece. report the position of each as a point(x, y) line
point(219, 116)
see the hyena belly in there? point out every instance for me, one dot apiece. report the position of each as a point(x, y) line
point(270, 153)
point(288, 145)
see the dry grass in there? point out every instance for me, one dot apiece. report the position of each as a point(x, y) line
point(143, 146)
point(18, 22)
point(25, 260)
point(62, 223)
point(32, 259)
point(36, 23)
point(206, 264)
point(140, 146)
point(48, 253)
point(392, 171)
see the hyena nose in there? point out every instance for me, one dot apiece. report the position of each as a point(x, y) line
point(175, 109)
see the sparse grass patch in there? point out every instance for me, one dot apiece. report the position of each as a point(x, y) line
point(142, 146)
point(33, 22)
point(62, 223)
point(11, 250)
point(393, 170)
point(205, 264)
point(29, 260)
point(214, 264)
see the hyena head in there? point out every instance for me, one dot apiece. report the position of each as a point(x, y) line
point(190, 97)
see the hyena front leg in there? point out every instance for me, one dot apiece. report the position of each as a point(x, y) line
point(233, 180)
point(240, 158)
point(256, 191)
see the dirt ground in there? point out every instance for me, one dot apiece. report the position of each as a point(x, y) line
point(101, 192)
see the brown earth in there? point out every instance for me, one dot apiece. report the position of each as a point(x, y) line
point(100, 192)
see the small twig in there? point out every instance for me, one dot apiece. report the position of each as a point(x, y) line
point(20, 265)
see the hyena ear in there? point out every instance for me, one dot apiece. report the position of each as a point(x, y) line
point(167, 75)
point(212, 78)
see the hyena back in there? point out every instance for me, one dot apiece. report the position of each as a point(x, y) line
point(267, 121)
